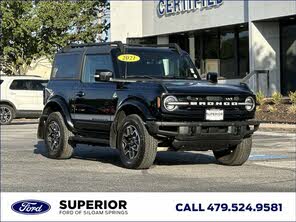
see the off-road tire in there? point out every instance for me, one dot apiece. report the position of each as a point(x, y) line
point(235, 156)
point(11, 112)
point(147, 148)
point(63, 150)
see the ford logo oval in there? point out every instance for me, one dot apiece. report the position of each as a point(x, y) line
point(30, 207)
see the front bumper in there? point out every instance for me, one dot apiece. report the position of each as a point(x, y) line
point(203, 135)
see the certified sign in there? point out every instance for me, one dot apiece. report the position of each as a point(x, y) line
point(167, 7)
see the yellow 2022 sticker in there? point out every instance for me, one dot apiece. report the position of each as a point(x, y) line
point(128, 58)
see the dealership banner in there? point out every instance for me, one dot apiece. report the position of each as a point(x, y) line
point(148, 207)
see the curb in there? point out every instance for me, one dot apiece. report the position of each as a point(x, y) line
point(277, 127)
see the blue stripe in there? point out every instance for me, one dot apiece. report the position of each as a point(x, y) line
point(266, 157)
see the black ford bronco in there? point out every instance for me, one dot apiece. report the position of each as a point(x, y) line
point(137, 98)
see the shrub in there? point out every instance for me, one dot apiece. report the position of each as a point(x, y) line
point(260, 98)
point(277, 98)
point(292, 109)
point(292, 96)
point(271, 109)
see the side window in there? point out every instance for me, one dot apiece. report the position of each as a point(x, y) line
point(1, 81)
point(38, 85)
point(35, 85)
point(94, 62)
point(66, 66)
point(19, 85)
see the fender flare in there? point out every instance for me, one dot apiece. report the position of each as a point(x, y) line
point(59, 104)
point(138, 105)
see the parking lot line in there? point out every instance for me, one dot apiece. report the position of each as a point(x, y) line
point(267, 157)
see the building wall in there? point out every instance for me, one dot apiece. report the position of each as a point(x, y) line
point(126, 19)
point(42, 69)
point(140, 18)
point(265, 52)
point(263, 9)
point(230, 12)
point(264, 37)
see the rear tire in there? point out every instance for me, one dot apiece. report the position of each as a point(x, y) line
point(137, 147)
point(7, 114)
point(56, 137)
point(235, 156)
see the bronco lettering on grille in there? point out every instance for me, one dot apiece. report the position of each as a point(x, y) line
point(206, 104)
point(216, 104)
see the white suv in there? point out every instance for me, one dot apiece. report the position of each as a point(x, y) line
point(20, 97)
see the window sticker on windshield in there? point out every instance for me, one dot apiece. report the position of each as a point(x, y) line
point(128, 58)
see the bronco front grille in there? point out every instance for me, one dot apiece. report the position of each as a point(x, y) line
point(202, 102)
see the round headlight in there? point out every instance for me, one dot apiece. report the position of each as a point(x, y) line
point(168, 100)
point(250, 104)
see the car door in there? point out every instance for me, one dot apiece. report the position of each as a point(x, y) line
point(37, 88)
point(96, 101)
point(22, 95)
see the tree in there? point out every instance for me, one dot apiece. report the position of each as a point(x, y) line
point(33, 30)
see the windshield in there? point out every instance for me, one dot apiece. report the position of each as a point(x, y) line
point(157, 64)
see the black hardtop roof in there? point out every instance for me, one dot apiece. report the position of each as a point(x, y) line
point(106, 47)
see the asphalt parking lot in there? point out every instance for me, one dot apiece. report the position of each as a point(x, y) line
point(271, 167)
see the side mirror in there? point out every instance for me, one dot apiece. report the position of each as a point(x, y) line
point(212, 77)
point(103, 75)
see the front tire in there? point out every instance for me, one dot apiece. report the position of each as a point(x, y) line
point(137, 147)
point(57, 137)
point(7, 114)
point(235, 156)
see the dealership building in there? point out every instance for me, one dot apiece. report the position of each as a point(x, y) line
point(234, 38)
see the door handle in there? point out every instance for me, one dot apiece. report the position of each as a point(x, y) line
point(80, 94)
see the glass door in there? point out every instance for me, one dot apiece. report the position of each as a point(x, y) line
point(288, 51)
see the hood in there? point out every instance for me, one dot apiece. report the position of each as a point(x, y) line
point(204, 87)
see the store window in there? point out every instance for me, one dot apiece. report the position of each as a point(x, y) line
point(211, 57)
point(223, 50)
point(227, 54)
point(181, 39)
point(243, 49)
point(144, 41)
point(211, 45)
point(198, 52)
point(288, 57)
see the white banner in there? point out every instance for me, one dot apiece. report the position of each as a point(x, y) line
point(148, 207)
